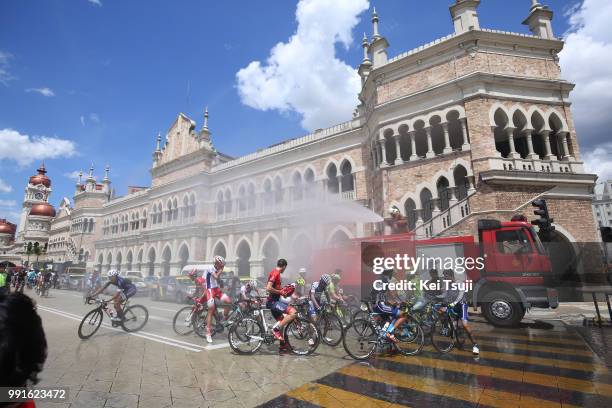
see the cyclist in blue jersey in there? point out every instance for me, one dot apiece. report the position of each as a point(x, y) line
point(125, 290)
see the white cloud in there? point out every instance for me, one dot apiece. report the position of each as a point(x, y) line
point(586, 60)
point(43, 91)
point(25, 149)
point(5, 75)
point(7, 203)
point(5, 188)
point(92, 117)
point(72, 175)
point(599, 161)
point(303, 74)
point(96, 2)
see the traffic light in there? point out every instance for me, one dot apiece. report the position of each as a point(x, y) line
point(544, 222)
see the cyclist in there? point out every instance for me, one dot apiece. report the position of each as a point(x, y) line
point(317, 289)
point(47, 276)
point(31, 278)
point(333, 293)
point(200, 283)
point(387, 304)
point(213, 291)
point(125, 290)
point(300, 284)
point(282, 312)
point(456, 301)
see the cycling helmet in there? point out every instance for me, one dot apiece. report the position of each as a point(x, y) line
point(335, 277)
point(302, 271)
point(288, 290)
point(219, 260)
point(301, 282)
point(325, 278)
point(252, 284)
point(393, 210)
point(113, 272)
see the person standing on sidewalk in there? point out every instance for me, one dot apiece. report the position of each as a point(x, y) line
point(4, 289)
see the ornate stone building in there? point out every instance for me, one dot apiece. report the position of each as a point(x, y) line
point(475, 124)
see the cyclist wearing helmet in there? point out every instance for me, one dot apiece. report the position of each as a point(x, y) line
point(300, 284)
point(200, 283)
point(316, 290)
point(387, 304)
point(332, 288)
point(125, 290)
point(456, 301)
point(282, 312)
point(213, 291)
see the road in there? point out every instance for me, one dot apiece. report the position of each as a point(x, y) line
point(542, 363)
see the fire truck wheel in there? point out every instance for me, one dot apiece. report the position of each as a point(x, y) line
point(502, 309)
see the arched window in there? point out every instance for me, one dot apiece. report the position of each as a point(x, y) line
point(185, 209)
point(168, 211)
point(252, 198)
point(228, 203)
point(242, 201)
point(298, 189)
point(461, 182)
point(220, 204)
point(347, 183)
point(443, 193)
point(426, 203)
point(192, 205)
point(309, 182)
point(411, 216)
point(278, 190)
point(175, 210)
point(332, 179)
point(268, 196)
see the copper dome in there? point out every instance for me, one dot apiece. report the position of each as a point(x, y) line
point(41, 177)
point(43, 210)
point(7, 227)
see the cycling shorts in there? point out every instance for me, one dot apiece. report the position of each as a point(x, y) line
point(461, 309)
point(311, 309)
point(216, 293)
point(383, 308)
point(127, 293)
point(279, 308)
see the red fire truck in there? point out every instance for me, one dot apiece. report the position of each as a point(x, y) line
point(516, 276)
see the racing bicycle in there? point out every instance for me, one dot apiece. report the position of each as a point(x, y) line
point(247, 335)
point(447, 330)
point(365, 335)
point(134, 317)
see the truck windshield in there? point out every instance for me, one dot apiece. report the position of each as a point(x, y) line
point(536, 241)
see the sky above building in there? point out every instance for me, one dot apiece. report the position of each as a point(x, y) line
point(87, 81)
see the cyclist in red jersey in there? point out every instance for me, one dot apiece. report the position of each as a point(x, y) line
point(200, 294)
point(282, 312)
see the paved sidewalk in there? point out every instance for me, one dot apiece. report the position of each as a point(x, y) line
point(114, 369)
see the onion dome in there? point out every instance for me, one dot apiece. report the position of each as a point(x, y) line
point(41, 177)
point(7, 227)
point(43, 210)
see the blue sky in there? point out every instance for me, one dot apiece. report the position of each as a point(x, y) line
point(119, 72)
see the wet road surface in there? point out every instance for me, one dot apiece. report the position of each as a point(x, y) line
point(543, 365)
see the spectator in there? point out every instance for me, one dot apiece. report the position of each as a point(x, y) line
point(23, 346)
point(4, 282)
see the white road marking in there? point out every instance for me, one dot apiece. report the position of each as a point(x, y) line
point(143, 335)
point(161, 319)
point(164, 309)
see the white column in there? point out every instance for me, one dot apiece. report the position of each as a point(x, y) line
point(430, 152)
point(566, 153)
point(529, 136)
point(383, 151)
point(447, 146)
point(510, 134)
point(413, 155)
point(398, 156)
point(547, 152)
point(465, 145)
point(471, 184)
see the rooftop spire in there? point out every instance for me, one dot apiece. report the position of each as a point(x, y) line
point(205, 125)
point(106, 170)
point(80, 178)
point(540, 20)
point(535, 4)
point(375, 34)
point(91, 170)
point(158, 146)
point(465, 15)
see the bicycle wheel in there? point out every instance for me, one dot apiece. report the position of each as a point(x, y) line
point(410, 336)
point(134, 318)
point(331, 329)
point(90, 324)
point(302, 336)
point(181, 323)
point(198, 322)
point(245, 336)
point(442, 335)
point(360, 339)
